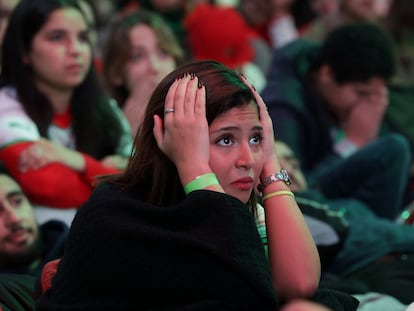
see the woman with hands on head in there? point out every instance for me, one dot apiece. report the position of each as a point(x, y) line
point(179, 221)
point(58, 128)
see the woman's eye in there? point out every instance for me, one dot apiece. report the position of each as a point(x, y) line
point(225, 141)
point(255, 140)
point(136, 57)
point(56, 36)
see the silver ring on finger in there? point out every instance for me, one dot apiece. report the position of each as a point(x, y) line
point(168, 110)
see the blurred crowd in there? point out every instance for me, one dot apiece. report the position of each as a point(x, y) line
point(337, 77)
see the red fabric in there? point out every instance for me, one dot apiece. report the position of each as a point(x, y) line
point(94, 169)
point(219, 33)
point(63, 120)
point(263, 32)
point(54, 184)
point(48, 272)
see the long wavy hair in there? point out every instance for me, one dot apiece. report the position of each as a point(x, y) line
point(95, 127)
point(149, 168)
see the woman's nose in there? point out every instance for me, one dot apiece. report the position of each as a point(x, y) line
point(245, 156)
point(75, 46)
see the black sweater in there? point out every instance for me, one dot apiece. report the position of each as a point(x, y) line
point(125, 254)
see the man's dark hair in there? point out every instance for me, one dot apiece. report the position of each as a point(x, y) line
point(358, 52)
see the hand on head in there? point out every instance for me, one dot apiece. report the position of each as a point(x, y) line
point(183, 132)
point(269, 154)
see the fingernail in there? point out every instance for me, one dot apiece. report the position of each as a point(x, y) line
point(192, 76)
point(200, 85)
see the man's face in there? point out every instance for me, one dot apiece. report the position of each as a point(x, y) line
point(342, 98)
point(18, 227)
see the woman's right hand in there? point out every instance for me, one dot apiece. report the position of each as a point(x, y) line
point(183, 135)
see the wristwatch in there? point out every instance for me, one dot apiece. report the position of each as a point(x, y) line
point(282, 175)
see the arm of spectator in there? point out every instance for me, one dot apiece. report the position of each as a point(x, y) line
point(53, 183)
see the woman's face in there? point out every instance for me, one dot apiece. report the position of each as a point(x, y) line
point(235, 150)
point(60, 54)
point(148, 63)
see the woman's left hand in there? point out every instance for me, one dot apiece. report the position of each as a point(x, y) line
point(271, 162)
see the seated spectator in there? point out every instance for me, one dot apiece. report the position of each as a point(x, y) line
point(330, 99)
point(140, 50)
point(360, 250)
point(58, 128)
point(197, 218)
point(25, 247)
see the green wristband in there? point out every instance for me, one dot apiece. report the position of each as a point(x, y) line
point(201, 182)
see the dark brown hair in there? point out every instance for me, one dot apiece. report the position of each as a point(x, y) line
point(149, 168)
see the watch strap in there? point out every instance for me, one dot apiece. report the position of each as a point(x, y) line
point(282, 175)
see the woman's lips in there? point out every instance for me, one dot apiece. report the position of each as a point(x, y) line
point(74, 68)
point(244, 184)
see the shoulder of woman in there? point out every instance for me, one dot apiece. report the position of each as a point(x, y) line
point(15, 124)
